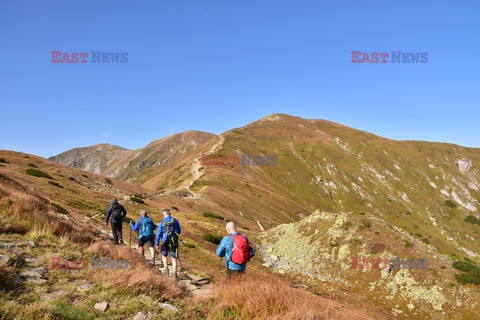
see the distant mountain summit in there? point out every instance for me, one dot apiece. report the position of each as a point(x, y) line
point(115, 161)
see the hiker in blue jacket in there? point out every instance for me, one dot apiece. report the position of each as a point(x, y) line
point(169, 230)
point(225, 249)
point(116, 213)
point(145, 227)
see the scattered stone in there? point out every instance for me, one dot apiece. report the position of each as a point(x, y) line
point(8, 246)
point(202, 282)
point(143, 316)
point(4, 258)
point(34, 275)
point(64, 216)
point(30, 259)
point(31, 244)
point(463, 164)
point(167, 306)
point(95, 216)
point(301, 286)
point(102, 306)
point(85, 287)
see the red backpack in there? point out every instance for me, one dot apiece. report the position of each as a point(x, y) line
point(241, 250)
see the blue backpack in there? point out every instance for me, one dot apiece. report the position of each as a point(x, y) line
point(147, 228)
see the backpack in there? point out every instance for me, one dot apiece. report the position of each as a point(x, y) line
point(241, 252)
point(172, 236)
point(147, 228)
point(116, 212)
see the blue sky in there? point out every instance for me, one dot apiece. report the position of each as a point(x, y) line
point(215, 65)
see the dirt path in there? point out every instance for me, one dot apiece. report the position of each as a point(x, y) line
point(195, 171)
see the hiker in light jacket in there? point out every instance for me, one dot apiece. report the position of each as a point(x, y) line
point(116, 213)
point(225, 249)
point(168, 230)
point(145, 227)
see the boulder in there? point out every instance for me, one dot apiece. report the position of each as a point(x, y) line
point(167, 306)
point(4, 258)
point(463, 164)
point(102, 306)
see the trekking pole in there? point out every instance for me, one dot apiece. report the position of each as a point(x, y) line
point(130, 227)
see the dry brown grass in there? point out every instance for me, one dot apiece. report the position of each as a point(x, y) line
point(265, 297)
point(139, 277)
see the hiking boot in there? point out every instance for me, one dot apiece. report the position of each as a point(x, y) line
point(175, 276)
point(120, 241)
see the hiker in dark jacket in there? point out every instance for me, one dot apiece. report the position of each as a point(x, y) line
point(169, 230)
point(145, 227)
point(225, 249)
point(116, 213)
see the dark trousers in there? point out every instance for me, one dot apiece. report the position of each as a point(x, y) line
point(117, 231)
point(234, 273)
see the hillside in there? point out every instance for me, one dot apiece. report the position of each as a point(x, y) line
point(117, 162)
point(49, 211)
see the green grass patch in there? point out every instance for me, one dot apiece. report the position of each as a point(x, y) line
point(71, 178)
point(137, 200)
point(66, 310)
point(419, 235)
point(443, 267)
point(407, 244)
point(108, 181)
point(334, 244)
point(54, 183)
point(464, 266)
point(38, 173)
point(30, 164)
point(189, 245)
point(174, 208)
point(137, 195)
point(2, 160)
point(472, 220)
point(209, 214)
point(450, 204)
point(84, 175)
point(473, 276)
point(212, 238)
point(426, 241)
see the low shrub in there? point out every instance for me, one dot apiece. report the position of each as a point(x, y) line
point(212, 238)
point(347, 225)
point(56, 184)
point(209, 214)
point(464, 266)
point(30, 164)
point(472, 220)
point(38, 173)
point(189, 245)
point(407, 244)
point(174, 208)
point(2, 160)
point(137, 200)
point(108, 181)
point(450, 204)
point(71, 178)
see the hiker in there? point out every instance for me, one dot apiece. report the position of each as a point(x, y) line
point(236, 250)
point(169, 230)
point(116, 213)
point(145, 227)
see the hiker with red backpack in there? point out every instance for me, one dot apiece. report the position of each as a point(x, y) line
point(145, 227)
point(168, 230)
point(116, 213)
point(236, 250)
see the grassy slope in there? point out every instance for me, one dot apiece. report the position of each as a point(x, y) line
point(30, 209)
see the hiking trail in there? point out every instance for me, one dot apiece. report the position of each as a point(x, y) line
point(195, 171)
